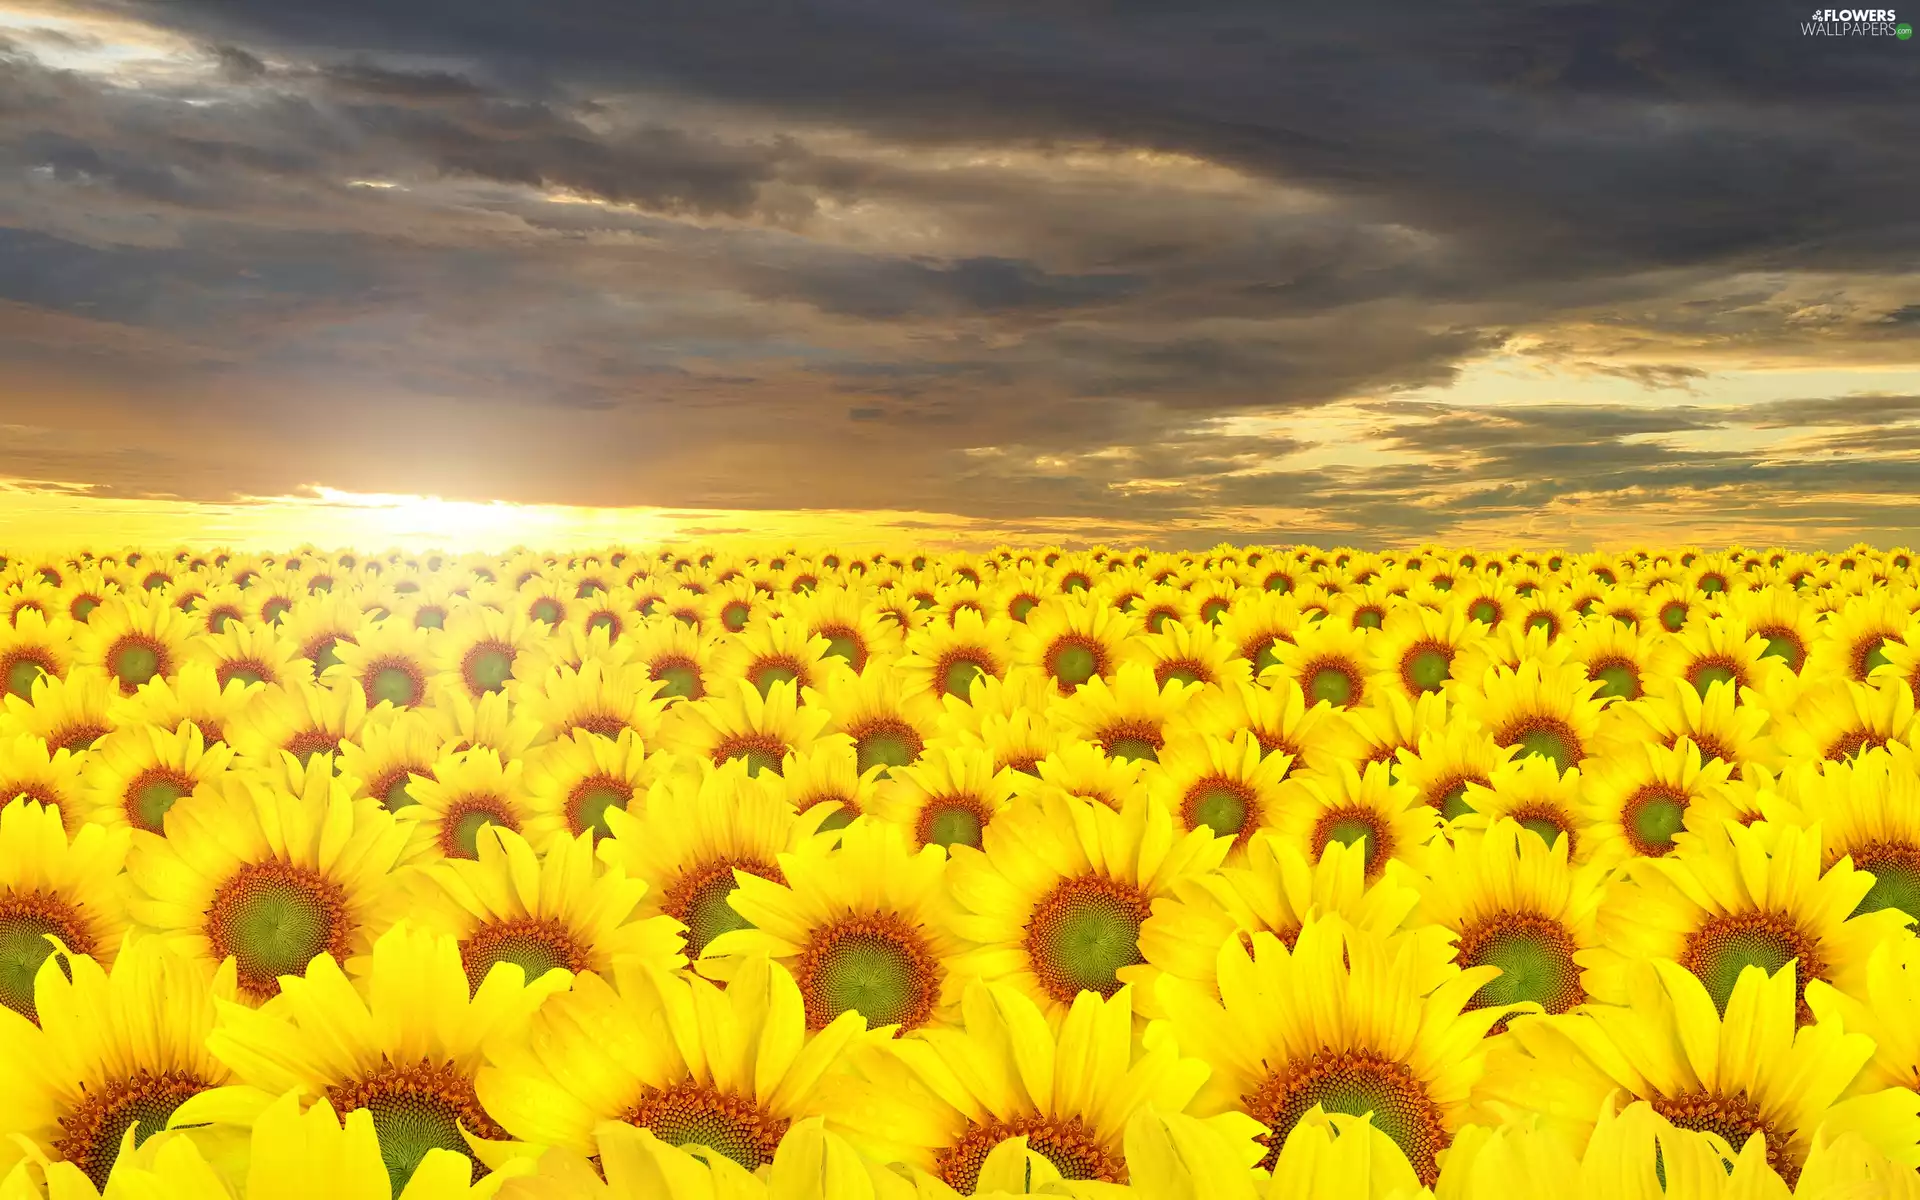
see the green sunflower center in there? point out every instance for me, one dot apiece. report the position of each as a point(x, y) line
point(951, 823)
point(398, 685)
point(1073, 664)
point(1427, 670)
point(1786, 647)
point(1453, 801)
point(462, 825)
point(587, 806)
point(1484, 611)
point(416, 1109)
point(758, 751)
point(1618, 680)
point(1535, 957)
point(679, 679)
point(1333, 684)
point(764, 676)
point(734, 616)
point(1219, 807)
point(1727, 945)
point(1545, 738)
point(691, 1114)
point(489, 666)
point(1360, 1084)
point(1652, 817)
point(843, 646)
point(1082, 933)
point(875, 965)
point(429, 618)
point(546, 609)
point(83, 608)
point(21, 676)
point(151, 795)
point(1704, 677)
point(957, 679)
point(886, 745)
point(274, 918)
point(1132, 744)
point(26, 918)
point(535, 945)
point(395, 795)
point(699, 901)
point(134, 662)
point(1673, 615)
point(1896, 877)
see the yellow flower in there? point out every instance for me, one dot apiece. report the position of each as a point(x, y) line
point(737, 722)
point(70, 713)
point(597, 699)
point(465, 792)
point(1132, 717)
point(136, 773)
point(1387, 820)
point(390, 660)
point(250, 654)
point(947, 798)
point(302, 720)
point(28, 770)
point(1639, 799)
point(770, 651)
point(1867, 811)
point(1226, 786)
point(1541, 711)
point(1327, 662)
point(57, 885)
point(32, 646)
point(943, 658)
point(888, 724)
point(196, 695)
point(483, 650)
point(675, 656)
point(1073, 639)
point(1416, 648)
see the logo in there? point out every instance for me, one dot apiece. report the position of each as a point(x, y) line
point(1855, 22)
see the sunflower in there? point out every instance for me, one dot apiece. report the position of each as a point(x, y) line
point(484, 650)
point(249, 654)
point(694, 837)
point(70, 713)
point(136, 773)
point(1838, 719)
point(737, 602)
point(1053, 902)
point(1624, 661)
point(315, 626)
point(33, 646)
point(116, 1050)
point(1446, 761)
point(1073, 639)
point(561, 910)
point(54, 778)
point(888, 724)
point(1227, 786)
point(596, 699)
point(466, 722)
point(269, 877)
point(1345, 1021)
point(389, 660)
point(302, 720)
point(1415, 650)
point(1734, 897)
point(1637, 801)
point(948, 797)
point(385, 757)
point(1529, 792)
point(829, 773)
point(1083, 769)
point(1868, 812)
point(571, 782)
point(1132, 717)
point(855, 634)
point(1388, 820)
point(466, 791)
point(1540, 711)
point(1190, 653)
point(1721, 650)
point(194, 695)
point(1781, 617)
point(1326, 662)
point(948, 1099)
point(53, 885)
point(768, 652)
point(865, 927)
point(944, 658)
point(1742, 1071)
point(1272, 889)
point(1851, 644)
point(688, 1062)
point(84, 592)
point(1280, 719)
point(1736, 734)
point(404, 1045)
point(680, 660)
point(1514, 902)
point(546, 601)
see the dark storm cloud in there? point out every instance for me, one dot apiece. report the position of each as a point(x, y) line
point(844, 254)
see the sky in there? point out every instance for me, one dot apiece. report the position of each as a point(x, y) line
point(960, 272)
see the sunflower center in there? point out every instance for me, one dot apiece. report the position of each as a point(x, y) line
point(1183, 671)
point(1082, 933)
point(1358, 1083)
point(1735, 1118)
point(535, 945)
point(1132, 742)
point(1708, 672)
point(1350, 825)
point(1651, 818)
point(21, 674)
point(1545, 737)
point(134, 660)
point(762, 752)
point(1725, 946)
point(678, 678)
point(588, 803)
point(1073, 1149)
point(1619, 680)
point(392, 789)
point(1545, 821)
point(886, 744)
point(1484, 611)
point(90, 1134)
point(274, 918)
point(547, 609)
point(487, 667)
point(1673, 615)
point(734, 616)
point(430, 618)
point(876, 965)
point(844, 643)
point(1895, 867)
point(952, 821)
point(78, 737)
point(1220, 805)
point(698, 900)
point(417, 1108)
point(1783, 644)
point(1336, 683)
point(397, 682)
point(692, 1114)
point(1073, 661)
point(765, 674)
point(26, 918)
point(461, 824)
point(957, 676)
point(309, 742)
point(1870, 654)
point(1451, 798)
point(1426, 667)
point(1535, 957)
point(151, 793)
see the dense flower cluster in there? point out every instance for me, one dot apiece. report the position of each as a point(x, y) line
point(688, 874)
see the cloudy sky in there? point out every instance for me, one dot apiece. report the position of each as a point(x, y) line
point(1360, 273)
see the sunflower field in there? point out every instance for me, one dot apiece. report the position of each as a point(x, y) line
point(707, 874)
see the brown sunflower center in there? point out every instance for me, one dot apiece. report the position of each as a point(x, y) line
point(309, 742)
point(90, 1134)
point(875, 964)
point(1735, 1118)
point(760, 751)
point(274, 918)
point(537, 945)
point(418, 1107)
point(1358, 1083)
point(692, 1114)
point(1073, 1149)
point(1083, 932)
point(1724, 946)
point(26, 919)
